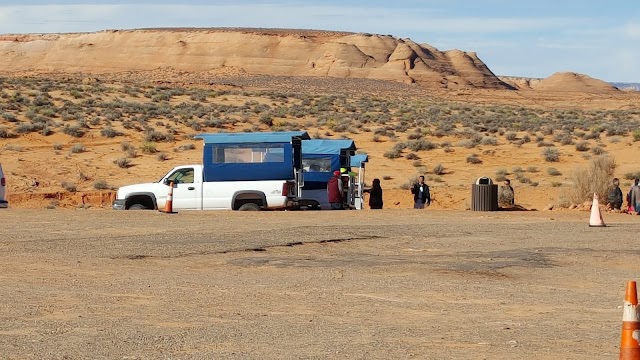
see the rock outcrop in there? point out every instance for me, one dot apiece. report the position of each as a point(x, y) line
point(561, 81)
point(254, 51)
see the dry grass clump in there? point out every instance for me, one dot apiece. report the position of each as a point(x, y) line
point(596, 178)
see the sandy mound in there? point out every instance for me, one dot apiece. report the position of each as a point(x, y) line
point(256, 52)
point(568, 81)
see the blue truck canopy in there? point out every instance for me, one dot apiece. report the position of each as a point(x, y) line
point(249, 156)
point(358, 159)
point(320, 158)
point(252, 137)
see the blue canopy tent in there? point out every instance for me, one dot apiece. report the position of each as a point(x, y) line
point(320, 158)
point(250, 156)
point(358, 160)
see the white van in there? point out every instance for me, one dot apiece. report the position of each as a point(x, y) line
point(3, 186)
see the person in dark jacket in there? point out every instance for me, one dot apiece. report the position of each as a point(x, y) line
point(421, 194)
point(615, 195)
point(375, 195)
point(334, 191)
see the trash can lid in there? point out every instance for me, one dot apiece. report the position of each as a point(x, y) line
point(484, 181)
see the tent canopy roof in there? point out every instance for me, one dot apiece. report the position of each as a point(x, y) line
point(327, 147)
point(252, 137)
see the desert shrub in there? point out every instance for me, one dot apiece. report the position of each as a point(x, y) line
point(510, 135)
point(489, 140)
point(636, 135)
point(57, 146)
point(101, 185)
point(500, 178)
point(551, 154)
point(77, 148)
point(126, 146)
point(148, 148)
point(122, 162)
point(46, 130)
point(553, 171)
point(556, 184)
point(419, 145)
point(594, 179)
point(393, 153)
point(533, 183)
point(186, 147)
point(412, 156)
point(73, 130)
point(502, 172)
point(438, 169)
point(13, 147)
point(415, 136)
point(156, 136)
point(474, 159)
point(417, 163)
point(545, 144)
point(69, 186)
point(615, 140)
point(467, 143)
point(387, 177)
point(162, 157)
point(598, 150)
point(632, 175)
point(582, 146)
point(526, 139)
point(109, 132)
point(6, 134)
point(532, 169)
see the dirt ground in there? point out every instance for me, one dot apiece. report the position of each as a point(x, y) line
point(391, 284)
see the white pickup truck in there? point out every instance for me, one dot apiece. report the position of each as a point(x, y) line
point(191, 192)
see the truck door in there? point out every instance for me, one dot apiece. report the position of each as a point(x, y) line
point(185, 190)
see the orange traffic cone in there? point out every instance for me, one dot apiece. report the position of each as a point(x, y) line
point(168, 207)
point(629, 342)
point(596, 215)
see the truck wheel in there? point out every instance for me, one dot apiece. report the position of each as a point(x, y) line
point(249, 207)
point(138, 207)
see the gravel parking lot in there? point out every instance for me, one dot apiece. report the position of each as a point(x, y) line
point(391, 284)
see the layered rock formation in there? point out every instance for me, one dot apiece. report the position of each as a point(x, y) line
point(259, 52)
point(561, 81)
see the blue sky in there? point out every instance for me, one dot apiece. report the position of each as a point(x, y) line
point(514, 37)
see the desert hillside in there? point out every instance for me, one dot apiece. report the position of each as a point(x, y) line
point(250, 51)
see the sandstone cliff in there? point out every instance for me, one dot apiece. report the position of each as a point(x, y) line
point(253, 51)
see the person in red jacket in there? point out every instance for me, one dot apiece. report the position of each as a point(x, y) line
point(334, 191)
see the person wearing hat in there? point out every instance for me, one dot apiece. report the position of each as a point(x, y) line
point(334, 191)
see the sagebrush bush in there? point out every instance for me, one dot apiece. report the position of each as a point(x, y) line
point(632, 175)
point(596, 178)
point(122, 162)
point(148, 148)
point(474, 159)
point(101, 185)
point(69, 186)
point(553, 171)
point(162, 156)
point(77, 148)
point(582, 146)
point(551, 154)
point(438, 169)
point(598, 150)
point(393, 153)
point(412, 156)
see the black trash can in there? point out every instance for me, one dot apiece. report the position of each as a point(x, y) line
point(484, 195)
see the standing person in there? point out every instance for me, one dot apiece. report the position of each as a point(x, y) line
point(375, 195)
point(615, 195)
point(421, 194)
point(334, 191)
point(634, 197)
